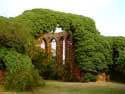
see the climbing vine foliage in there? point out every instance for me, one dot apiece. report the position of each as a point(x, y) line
point(93, 53)
point(44, 20)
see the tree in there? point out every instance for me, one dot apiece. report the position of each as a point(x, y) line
point(14, 35)
point(118, 66)
point(14, 59)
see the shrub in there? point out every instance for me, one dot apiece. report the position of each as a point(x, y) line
point(89, 77)
point(47, 69)
point(39, 58)
point(67, 75)
point(58, 71)
point(20, 73)
point(2, 65)
point(15, 36)
point(41, 62)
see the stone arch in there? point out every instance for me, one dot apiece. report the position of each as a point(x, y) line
point(69, 52)
point(59, 38)
point(62, 40)
point(53, 46)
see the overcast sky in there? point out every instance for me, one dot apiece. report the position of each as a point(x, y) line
point(109, 15)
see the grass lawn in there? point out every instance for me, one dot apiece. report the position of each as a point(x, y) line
point(57, 87)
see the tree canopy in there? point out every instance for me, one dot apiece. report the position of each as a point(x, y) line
point(44, 20)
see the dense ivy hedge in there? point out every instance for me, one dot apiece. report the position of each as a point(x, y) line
point(15, 42)
point(93, 52)
point(20, 72)
point(44, 20)
point(118, 66)
point(81, 28)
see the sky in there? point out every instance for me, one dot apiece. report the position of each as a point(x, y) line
point(109, 15)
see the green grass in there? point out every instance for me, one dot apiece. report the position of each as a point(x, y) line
point(57, 87)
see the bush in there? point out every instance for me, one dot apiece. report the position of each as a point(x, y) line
point(58, 71)
point(89, 77)
point(15, 36)
point(39, 58)
point(41, 62)
point(67, 75)
point(46, 69)
point(20, 73)
point(47, 66)
point(2, 65)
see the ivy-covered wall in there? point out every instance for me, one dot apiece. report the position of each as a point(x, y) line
point(93, 53)
point(44, 20)
point(82, 29)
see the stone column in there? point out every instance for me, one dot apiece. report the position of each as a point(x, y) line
point(68, 51)
point(48, 48)
point(75, 71)
point(59, 52)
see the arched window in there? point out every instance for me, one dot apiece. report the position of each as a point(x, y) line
point(63, 51)
point(53, 47)
point(43, 44)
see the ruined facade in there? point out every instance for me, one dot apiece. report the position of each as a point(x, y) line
point(61, 38)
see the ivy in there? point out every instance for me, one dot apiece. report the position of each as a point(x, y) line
point(44, 20)
point(92, 51)
point(20, 72)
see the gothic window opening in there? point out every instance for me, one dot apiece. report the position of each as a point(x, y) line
point(53, 48)
point(43, 44)
point(63, 52)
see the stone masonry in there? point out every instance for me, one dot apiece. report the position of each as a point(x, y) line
point(59, 38)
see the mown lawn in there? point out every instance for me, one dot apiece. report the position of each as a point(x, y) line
point(57, 87)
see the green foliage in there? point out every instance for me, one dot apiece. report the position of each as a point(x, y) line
point(3, 52)
point(67, 75)
point(118, 65)
point(118, 50)
point(41, 62)
point(89, 77)
point(2, 66)
point(38, 56)
point(20, 73)
point(82, 28)
point(47, 67)
point(14, 35)
point(15, 41)
point(44, 20)
point(93, 53)
point(62, 72)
